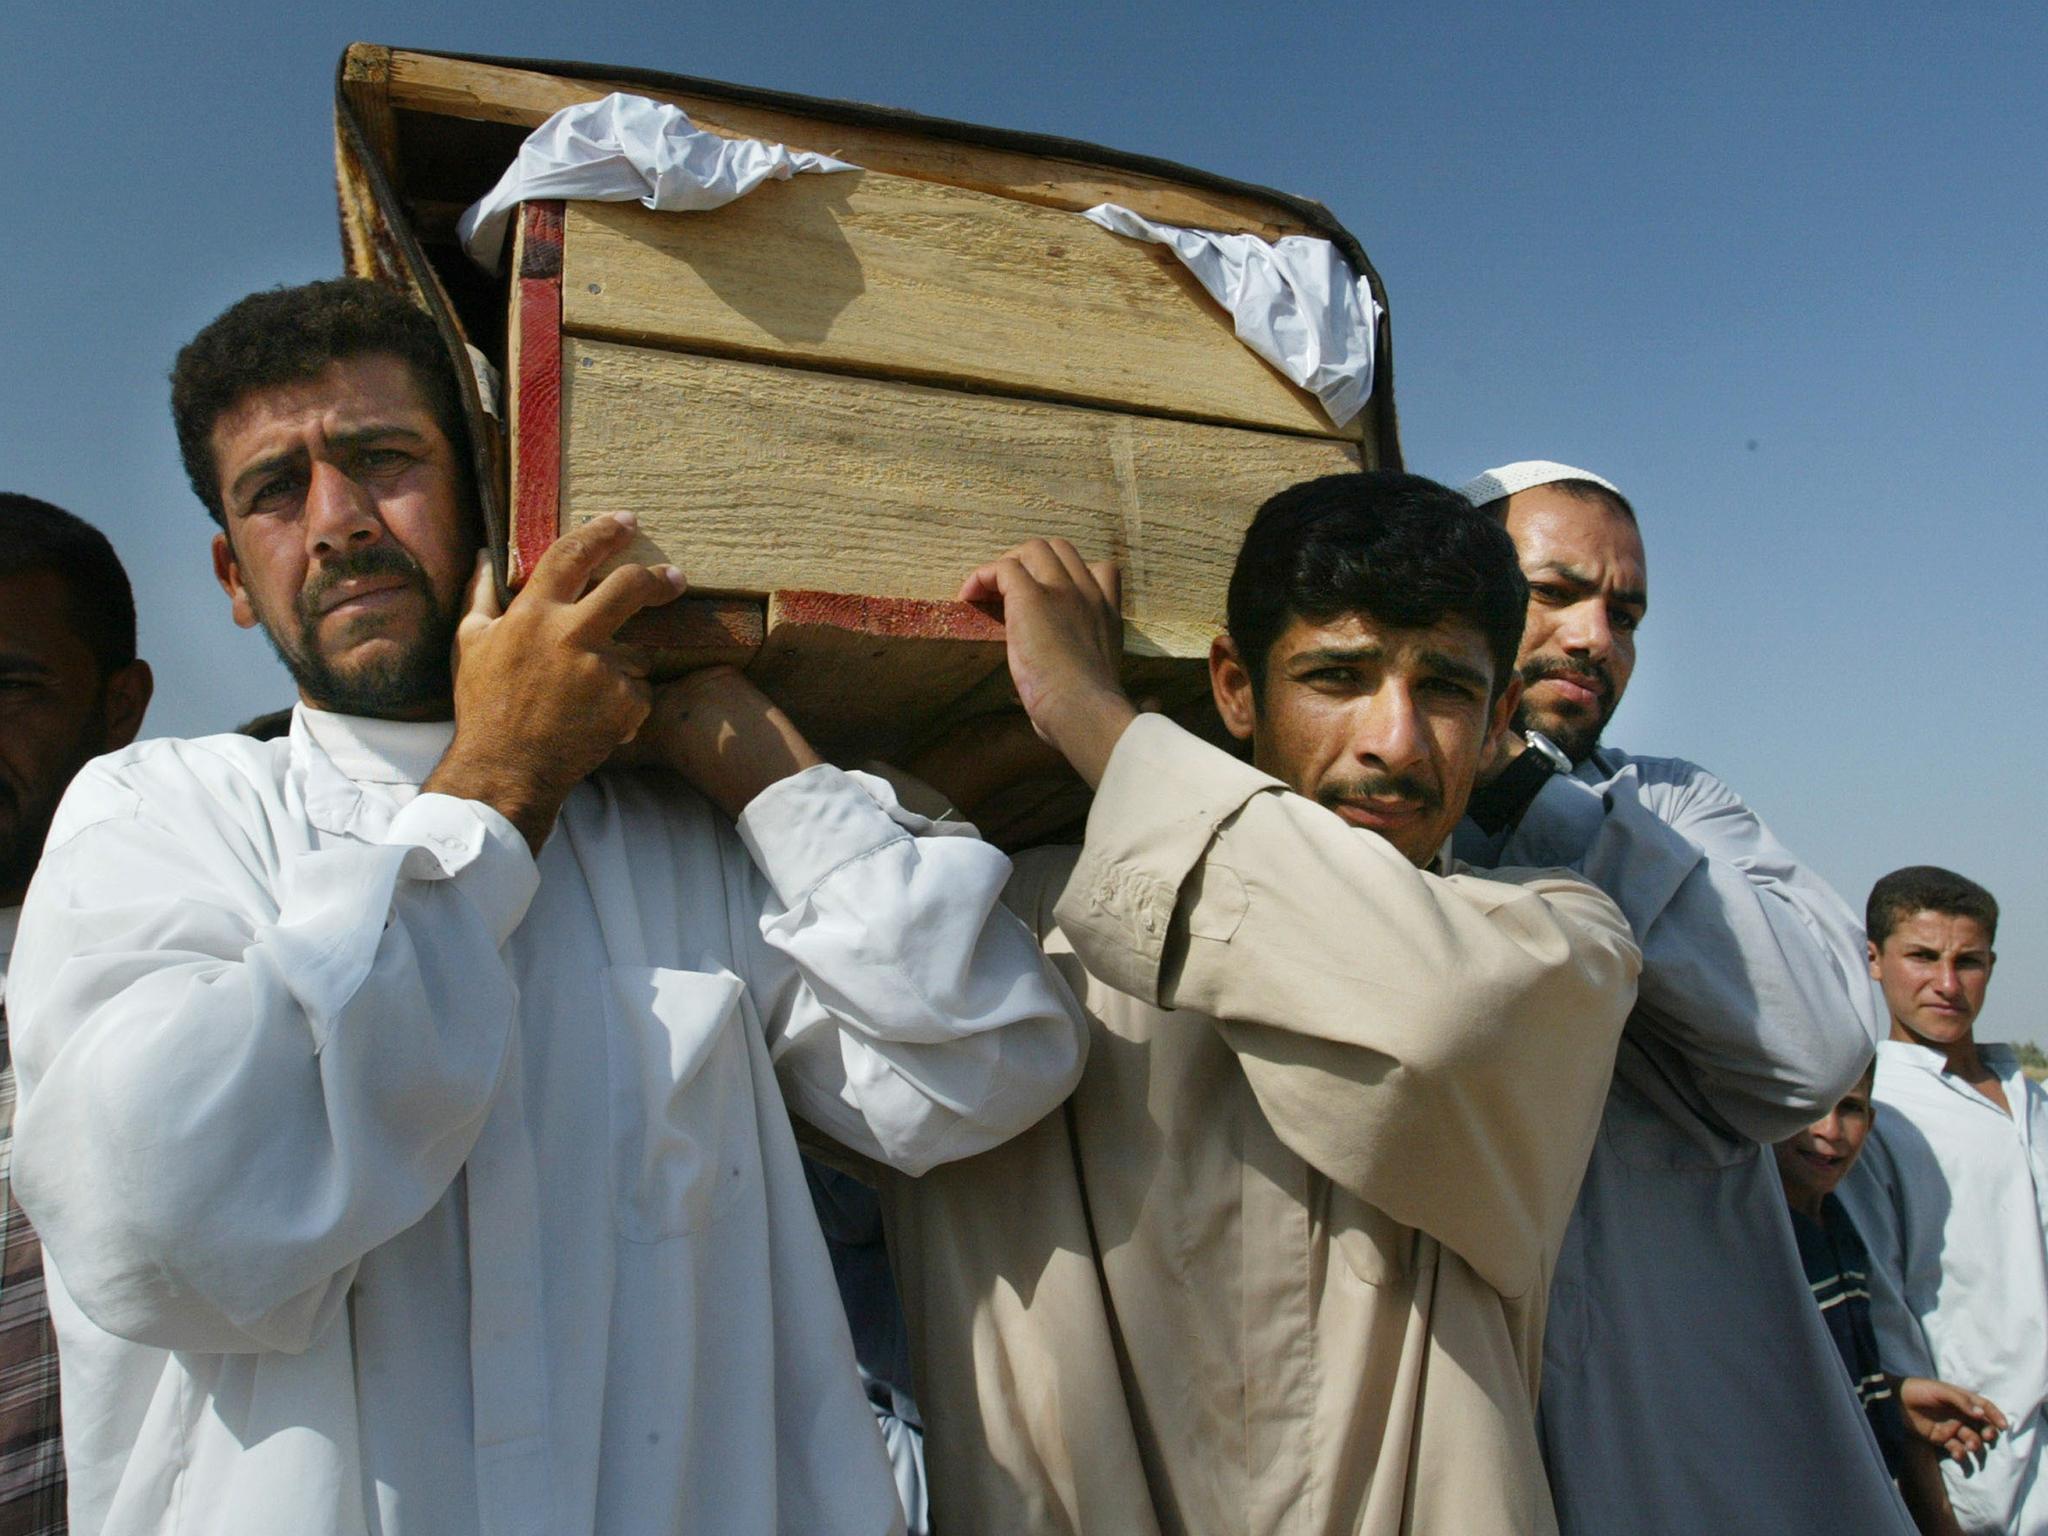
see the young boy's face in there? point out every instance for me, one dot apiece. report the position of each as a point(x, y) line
point(1934, 967)
point(1815, 1160)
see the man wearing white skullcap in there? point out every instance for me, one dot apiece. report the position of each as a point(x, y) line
point(1689, 1387)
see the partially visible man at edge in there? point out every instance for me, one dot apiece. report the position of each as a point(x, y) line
point(1919, 1421)
point(400, 1098)
point(1952, 1193)
point(71, 688)
point(1279, 1265)
point(1680, 1316)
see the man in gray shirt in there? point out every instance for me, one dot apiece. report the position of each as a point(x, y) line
point(1688, 1384)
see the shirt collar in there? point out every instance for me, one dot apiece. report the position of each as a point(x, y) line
point(2000, 1058)
point(377, 751)
point(339, 754)
point(1911, 1053)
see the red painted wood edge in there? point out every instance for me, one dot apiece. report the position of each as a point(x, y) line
point(537, 506)
point(905, 618)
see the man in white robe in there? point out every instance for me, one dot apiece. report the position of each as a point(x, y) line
point(403, 1101)
point(71, 687)
point(1951, 1194)
point(1679, 1290)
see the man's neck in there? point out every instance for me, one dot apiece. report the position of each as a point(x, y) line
point(1960, 1058)
point(1960, 1055)
point(413, 714)
point(1805, 1201)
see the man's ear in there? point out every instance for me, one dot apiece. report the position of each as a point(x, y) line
point(228, 572)
point(1870, 949)
point(1502, 719)
point(1231, 686)
point(127, 691)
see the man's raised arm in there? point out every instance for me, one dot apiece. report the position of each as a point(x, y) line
point(1439, 1046)
point(247, 1060)
point(1752, 967)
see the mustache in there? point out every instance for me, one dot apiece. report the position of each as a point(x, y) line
point(1578, 668)
point(1372, 786)
point(380, 559)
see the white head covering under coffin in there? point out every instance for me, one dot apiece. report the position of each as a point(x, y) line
point(1526, 475)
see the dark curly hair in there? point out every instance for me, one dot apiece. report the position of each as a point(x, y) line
point(286, 335)
point(1926, 888)
point(1400, 549)
point(38, 536)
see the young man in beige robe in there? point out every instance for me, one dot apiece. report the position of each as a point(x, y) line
point(1278, 1266)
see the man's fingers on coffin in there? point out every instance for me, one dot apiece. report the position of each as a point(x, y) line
point(1051, 563)
point(1076, 570)
point(623, 593)
point(1109, 580)
point(1003, 579)
point(565, 569)
point(630, 661)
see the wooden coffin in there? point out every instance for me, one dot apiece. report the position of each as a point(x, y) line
point(831, 399)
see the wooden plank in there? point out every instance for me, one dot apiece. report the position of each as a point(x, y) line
point(533, 364)
point(366, 78)
point(494, 93)
point(894, 277)
point(694, 632)
point(862, 676)
point(754, 478)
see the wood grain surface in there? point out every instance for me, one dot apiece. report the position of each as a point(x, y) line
point(894, 277)
point(753, 477)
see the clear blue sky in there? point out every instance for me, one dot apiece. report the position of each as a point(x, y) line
point(1777, 270)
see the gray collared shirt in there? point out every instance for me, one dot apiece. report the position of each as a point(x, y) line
point(1688, 1385)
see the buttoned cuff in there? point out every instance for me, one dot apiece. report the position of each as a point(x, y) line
point(802, 828)
point(471, 844)
point(1158, 808)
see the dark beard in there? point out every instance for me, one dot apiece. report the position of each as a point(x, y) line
point(417, 683)
point(1574, 739)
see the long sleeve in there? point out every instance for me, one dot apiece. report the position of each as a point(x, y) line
point(1753, 969)
point(246, 1066)
point(1439, 1046)
point(911, 1016)
point(1873, 1195)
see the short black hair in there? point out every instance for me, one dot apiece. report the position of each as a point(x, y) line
point(1405, 551)
point(287, 335)
point(1580, 490)
point(38, 536)
point(1926, 888)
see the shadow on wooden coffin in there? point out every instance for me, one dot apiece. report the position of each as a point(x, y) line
point(831, 399)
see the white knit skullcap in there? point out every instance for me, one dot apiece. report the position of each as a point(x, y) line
point(1526, 475)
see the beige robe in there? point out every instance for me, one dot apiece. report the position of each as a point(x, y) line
point(1278, 1266)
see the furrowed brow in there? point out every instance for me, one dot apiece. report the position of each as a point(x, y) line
point(1335, 656)
point(376, 432)
point(1581, 583)
point(1455, 669)
point(290, 458)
